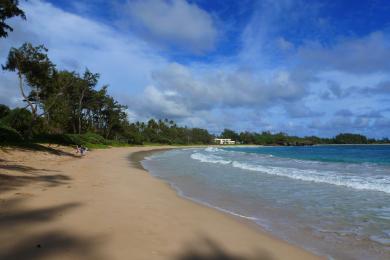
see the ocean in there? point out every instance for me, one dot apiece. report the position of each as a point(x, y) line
point(333, 200)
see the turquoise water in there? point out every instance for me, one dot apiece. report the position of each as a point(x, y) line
point(327, 153)
point(333, 200)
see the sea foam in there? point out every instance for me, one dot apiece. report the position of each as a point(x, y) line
point(373, 183)
point(213, 149)
point(209, 158)
point(327, 177)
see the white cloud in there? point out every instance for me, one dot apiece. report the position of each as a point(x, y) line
point(369, 54)
point(300, 110)
point(175, 22)
point(196, 90)
point(9, 90)
point(161, 103)
point(75, 42)
point(284, 44)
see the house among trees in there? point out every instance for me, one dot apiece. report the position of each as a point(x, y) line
point(224, 141)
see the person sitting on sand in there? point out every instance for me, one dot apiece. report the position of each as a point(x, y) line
point(83, 150)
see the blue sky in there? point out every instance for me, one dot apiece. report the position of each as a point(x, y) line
point(301, 67)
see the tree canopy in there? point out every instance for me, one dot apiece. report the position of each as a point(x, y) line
point(66, 102)
point(9, 9)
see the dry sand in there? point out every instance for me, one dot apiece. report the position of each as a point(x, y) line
point(58, 206)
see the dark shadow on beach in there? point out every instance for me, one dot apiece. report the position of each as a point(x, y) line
point(12, 214)
point(38, 147)
point(14, 218)
point(10, 182)
point(25, 231)
point(23, 168)
point(207, 249)
point(26, 175)
point(48, 245)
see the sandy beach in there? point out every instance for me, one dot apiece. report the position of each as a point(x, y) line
point(104, 206)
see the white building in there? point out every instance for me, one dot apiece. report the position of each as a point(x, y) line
point(224, 141)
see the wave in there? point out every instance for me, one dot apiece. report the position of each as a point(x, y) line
point(327, 177)
point(374, 183)
point(209, 158)
point(213, 149)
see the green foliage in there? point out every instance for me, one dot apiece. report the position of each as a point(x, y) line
point(8, 9)
point(200, 136)
point(134, 137)
point(4, 111)
point(33, 64)
point(347, 138)
point(9, 135)
point(36, 71)
point(230, 134)
point(267, 138)
point(62, 139)
point(166, 132)
point(90, 140)
point(18, 119)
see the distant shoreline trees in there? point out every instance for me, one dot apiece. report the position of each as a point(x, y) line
point(268, 138)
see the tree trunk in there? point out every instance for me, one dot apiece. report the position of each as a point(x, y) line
point(74, 121)
point(80, 107)
point(108, 132)
point(30, 104)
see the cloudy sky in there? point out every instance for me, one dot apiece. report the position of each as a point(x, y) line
point(301, 67)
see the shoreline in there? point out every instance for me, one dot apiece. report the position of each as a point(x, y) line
point(105, 207)
point(136, 159)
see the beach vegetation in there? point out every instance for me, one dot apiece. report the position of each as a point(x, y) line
point(9, 134)
point(346, 138)
point(268, 138)
point(35, 71)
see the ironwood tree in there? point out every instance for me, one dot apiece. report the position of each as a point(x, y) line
point(9, 9)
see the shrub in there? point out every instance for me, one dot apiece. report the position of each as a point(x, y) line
point(64, 139)
point(18, 119)
point(9, 135)
point(72, 139)
point(93, 138)
point(4, 110)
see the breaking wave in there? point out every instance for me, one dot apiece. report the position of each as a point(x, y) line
point(373, 183)
point(213, 149)
point(209, 158)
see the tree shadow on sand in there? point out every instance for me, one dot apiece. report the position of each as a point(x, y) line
point(12, 214)
point(38, 147)
point(208, 249)
point(10, 181)
point(22, 168)
point(15, 219)
point(49, 245)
